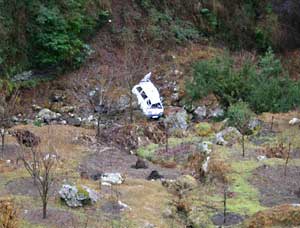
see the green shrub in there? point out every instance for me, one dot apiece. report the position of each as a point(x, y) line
point(46, 34)
point(265, 86)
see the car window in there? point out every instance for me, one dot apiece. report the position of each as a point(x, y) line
point(149, 102)
point(143, 94)
point(139, 89)
point(157, 105)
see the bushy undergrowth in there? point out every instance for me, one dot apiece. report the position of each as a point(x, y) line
point(46, 34)
point(265, 85)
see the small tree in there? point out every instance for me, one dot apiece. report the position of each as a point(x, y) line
point(239, 116)
point(40, 165)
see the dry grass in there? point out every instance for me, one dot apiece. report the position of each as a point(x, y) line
point(8, 214)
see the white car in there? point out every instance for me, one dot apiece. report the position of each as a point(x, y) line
point(148, 98)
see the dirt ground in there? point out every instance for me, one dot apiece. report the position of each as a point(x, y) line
point(113, 160)
point(274, 187)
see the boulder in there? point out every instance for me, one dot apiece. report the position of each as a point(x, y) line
point(36, 107)
point(155, 175)
point(111, 179)
point(255, 124)
point(140, 164)
point(75, 121)
point(205, 147)
point(200, 113)
point(216, 113)
point(203, 129)
point(228, 136)
point(294, 121)
point(67, 109)
point(177, 118)
point(77, 196)
point(47, 115)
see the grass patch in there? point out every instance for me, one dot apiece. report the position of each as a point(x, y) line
point(246, 200)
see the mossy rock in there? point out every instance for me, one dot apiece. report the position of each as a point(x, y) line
point(203, 129)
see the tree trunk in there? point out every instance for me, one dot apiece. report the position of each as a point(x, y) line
point(167, 139)
point(243, 144)
point(98, 127)
point(131, 109)
point(44, 209)
point(225, 206)
point(2, 144)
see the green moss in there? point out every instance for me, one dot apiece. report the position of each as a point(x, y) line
point(148, 151)
point(203, 129)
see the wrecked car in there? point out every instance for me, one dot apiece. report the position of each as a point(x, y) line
point(148, 98)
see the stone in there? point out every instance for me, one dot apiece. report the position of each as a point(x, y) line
point(67, 109)
point(74, 121)
point(36, 107)
point(216, 113)
point(255, 124)
point(261, 157)
point(205, 147)
point(228, 136)
point(155, 175)
point(24, 76)
point(203, 129)
point(111, 179)
point(200, 113)
point(75, 197)
point(205, 165)
point(177, 118)
point(47, 115)
point(294, 121)
point(140, 164)
point(123, 206)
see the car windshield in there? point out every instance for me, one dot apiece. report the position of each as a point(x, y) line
point(157, 106)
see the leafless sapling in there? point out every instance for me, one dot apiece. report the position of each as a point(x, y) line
point(40, 164)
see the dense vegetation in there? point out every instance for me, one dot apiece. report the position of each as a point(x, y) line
point(46, 34)
point(264, 85)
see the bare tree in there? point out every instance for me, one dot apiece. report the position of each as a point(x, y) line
point(40, 164)
point(8, 102)
point(287, 158)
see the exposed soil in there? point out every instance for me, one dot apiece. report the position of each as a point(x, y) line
point(113, 160)
point(25, 186)
point(11, 151)
point(231, 219)
point(55, 217)
point(274, 187)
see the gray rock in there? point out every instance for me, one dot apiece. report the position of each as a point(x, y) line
point(177, 119)
point(228, 136)
point(294, 121)
point(75, 198)
point(255, 124)
point(67, 109)
point(47, 115)
point(216, 113)
point(74, 121)
point(200, 112)
point(24, 76)
point(205, 147)
point(36, 107)
point(111, 178)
